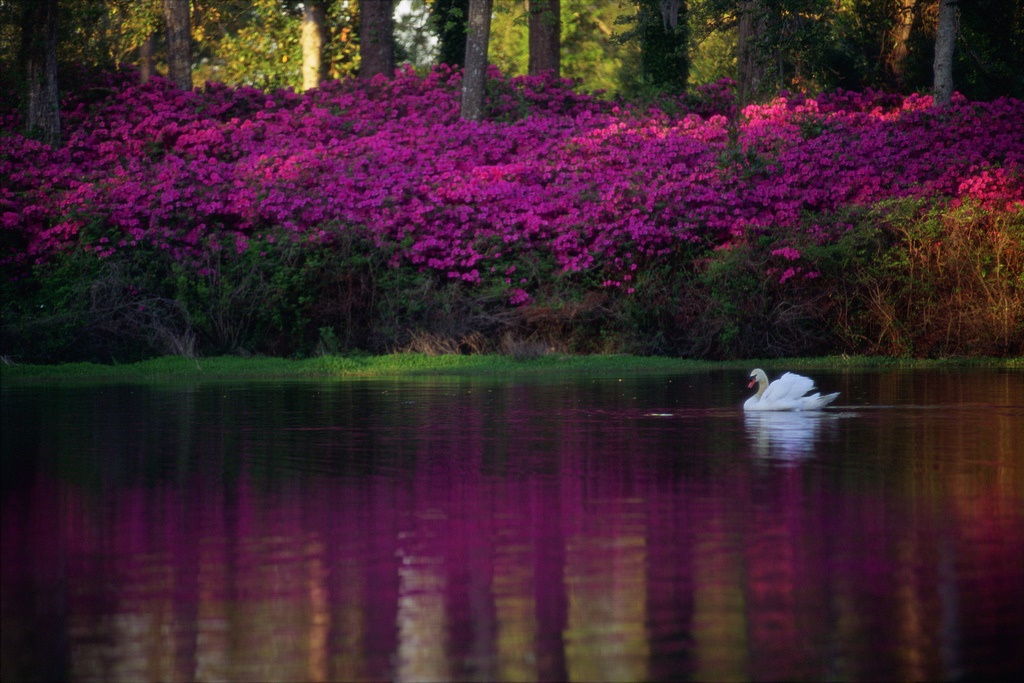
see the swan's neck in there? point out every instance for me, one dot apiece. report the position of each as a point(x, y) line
point(761, 386)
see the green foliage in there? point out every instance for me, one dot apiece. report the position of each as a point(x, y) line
point(950, 281)
point(265, 51)
point(797, 41)
point(712, 55)
point(663, 44)
point(449, 23)
point(815, 45)
point(808, 45)
point(89, 33)
point(417, 40)
point(990, 51)
point(508, 48)
point(407, 364)
point(988, 61)
point(413, 366)
point(590, 53)
point(82, 307)
point(241, 42)
point(899, 279)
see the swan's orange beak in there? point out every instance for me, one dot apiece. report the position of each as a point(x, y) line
point(753, 381)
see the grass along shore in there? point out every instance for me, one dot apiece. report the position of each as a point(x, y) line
point(419, 365)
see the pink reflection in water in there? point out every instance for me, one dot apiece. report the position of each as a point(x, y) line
point(588, 546)
point(449, 574)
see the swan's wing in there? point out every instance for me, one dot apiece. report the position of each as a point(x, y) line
point(817, 401)
point(789, 387)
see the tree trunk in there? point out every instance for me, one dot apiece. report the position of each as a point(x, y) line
point(147, 51)
point(895, 60)
point(474, 76)
point(945, 41)
point(750, 68)
point(39, 55)
point(376, 40)
point(545, 37)
point(179, 43)
point(313, 39)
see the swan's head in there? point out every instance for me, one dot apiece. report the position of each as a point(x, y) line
point(758, 377)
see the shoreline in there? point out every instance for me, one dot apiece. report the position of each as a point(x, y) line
point(400, 365)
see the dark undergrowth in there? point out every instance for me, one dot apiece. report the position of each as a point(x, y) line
point(902, 280)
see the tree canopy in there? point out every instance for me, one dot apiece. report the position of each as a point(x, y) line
point(619, 46)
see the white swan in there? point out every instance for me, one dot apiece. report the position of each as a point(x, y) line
point(786, 393)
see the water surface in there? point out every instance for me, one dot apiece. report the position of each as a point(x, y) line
point(639, 528)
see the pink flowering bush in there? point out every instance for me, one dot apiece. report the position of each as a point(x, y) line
point(555, 186)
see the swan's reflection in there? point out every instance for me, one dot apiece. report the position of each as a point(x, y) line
point(788, 436)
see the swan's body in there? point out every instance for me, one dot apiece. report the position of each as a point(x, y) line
point(789, 392)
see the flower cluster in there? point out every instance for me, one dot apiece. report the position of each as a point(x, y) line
point(591, 183)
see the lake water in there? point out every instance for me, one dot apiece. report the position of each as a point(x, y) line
point(580, 528)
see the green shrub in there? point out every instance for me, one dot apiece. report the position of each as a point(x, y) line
point(83, 307)
point(899, 278)
point(949, 280)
